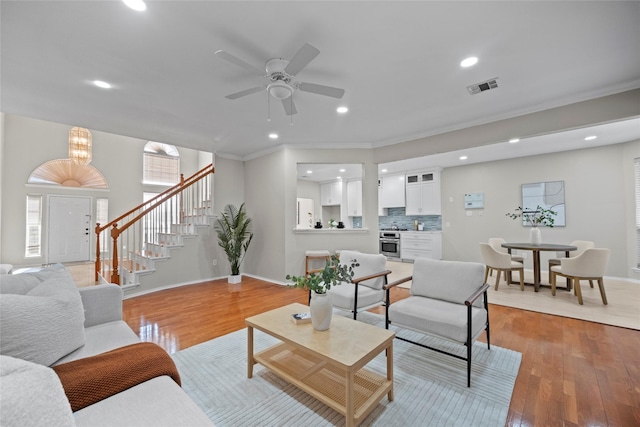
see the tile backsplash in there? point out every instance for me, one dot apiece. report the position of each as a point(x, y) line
point(397, 216)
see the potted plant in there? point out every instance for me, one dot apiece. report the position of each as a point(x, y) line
point(535, 218)
point(319, 283)
point(233, 228)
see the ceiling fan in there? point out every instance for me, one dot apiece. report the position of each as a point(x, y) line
point(280, 73)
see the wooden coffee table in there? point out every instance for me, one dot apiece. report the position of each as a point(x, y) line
point(326, 364)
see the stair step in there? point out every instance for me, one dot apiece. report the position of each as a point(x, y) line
point(170, 240)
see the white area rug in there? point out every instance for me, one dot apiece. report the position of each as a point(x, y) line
point(430, 388)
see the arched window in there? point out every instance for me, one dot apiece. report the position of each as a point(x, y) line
point(161, 164)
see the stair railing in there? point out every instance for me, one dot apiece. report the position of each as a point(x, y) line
point(128, 243)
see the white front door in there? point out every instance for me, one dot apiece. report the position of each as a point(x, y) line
point(69, 229)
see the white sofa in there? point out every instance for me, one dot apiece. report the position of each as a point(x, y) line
point(45, 320)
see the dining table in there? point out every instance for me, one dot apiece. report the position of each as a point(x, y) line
point(536, 249)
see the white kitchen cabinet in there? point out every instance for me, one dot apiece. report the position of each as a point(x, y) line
point(423, 193)
point(391, 191)
point(420, 244)
point(331, 194)
point(354, 198)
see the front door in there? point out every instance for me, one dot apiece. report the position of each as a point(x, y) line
point(69, 229)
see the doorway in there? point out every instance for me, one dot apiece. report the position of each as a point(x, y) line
point(69, 229)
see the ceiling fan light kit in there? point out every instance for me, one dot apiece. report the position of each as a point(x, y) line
point(280, 90)
point(280, 73)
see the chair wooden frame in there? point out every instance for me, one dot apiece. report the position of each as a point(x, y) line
point(574, 279)
point(469, 301)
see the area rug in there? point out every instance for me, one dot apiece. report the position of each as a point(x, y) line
point(430, 388)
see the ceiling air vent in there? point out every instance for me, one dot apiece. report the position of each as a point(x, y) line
point(484, 86)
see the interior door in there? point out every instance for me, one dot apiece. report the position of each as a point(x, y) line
point(69, 229)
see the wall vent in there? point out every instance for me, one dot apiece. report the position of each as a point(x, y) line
point(484, 86)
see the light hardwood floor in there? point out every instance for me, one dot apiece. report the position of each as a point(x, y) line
point(573, 372)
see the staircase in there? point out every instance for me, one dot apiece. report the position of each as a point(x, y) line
point(132, 244)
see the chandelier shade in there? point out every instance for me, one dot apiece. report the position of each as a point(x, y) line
point(80, 146)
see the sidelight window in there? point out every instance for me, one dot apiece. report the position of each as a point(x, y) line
point(636, 165)
point(33, 239)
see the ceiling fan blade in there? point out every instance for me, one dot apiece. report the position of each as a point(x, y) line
point(301, 59)
point(239, 62)
point(244, 92)
point(289, 106)
point(333, 92)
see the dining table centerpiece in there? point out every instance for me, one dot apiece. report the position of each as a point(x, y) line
point(333, 274)
point(535, 218)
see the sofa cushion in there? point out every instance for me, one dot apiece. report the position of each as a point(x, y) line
point(32, 395)
point(101, 338)
point(18, 284)
point(45, 324)
point(369, 264)
point(436, 317)
point(22, 283)
point(451, 281)
point(343, 296)
point(155, 403)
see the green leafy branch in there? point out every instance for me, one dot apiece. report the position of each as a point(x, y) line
point(333, 274)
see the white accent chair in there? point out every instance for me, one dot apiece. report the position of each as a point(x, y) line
point(582, 245)
point(365, 290)
point(448, 300)
point(589, 265)
point(496, 243)
point(500, 261)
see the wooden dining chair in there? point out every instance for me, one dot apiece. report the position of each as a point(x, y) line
point(589, 265)
point(500, 262)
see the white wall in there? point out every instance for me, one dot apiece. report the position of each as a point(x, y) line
point(597, 189)
point(228, 188)
point(28, 143)
point(1, 175)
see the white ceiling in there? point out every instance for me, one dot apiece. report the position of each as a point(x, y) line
point(397, 61)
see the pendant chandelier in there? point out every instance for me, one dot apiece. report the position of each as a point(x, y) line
point(80, 146)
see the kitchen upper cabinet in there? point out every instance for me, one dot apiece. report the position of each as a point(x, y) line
point(331, 194)
point(354, 198)
point(423, 193)
point(391, 191)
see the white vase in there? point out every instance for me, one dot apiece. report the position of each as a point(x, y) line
point(321, 311)
point(234, 278)
point(535, 238)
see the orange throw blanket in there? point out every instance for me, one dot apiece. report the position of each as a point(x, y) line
point(92, 379)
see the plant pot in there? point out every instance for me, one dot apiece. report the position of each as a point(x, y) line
point(321, 311)
point(535, 237)
point(234, 278)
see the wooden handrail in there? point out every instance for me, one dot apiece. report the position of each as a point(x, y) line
point(167, 195)
point(140, 211)
point(204, 171)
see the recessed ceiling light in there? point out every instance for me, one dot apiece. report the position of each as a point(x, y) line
point(273, 135)
point(138, 5)
point(383, 170)
point(103, 85)
point(309, 172)
point(472, 60)
point(342, 110)
point(342, 170)
point(514, 140)
point(590, 138)
point(463, 157)
point(338, 177)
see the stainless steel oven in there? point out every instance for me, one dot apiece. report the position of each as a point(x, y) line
point(390, 244)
